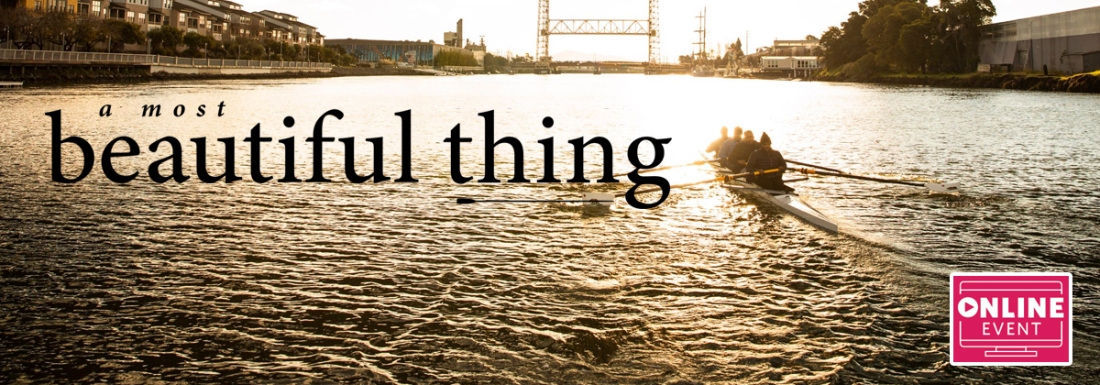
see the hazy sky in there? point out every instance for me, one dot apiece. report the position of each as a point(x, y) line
point(510, 25)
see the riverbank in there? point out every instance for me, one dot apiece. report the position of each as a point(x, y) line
point(1080, 83)
point(63, 76)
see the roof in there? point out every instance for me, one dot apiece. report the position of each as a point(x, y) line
point(202, 7)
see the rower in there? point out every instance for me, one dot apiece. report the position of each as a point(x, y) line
point(767, 158)
point(727, 147)
point(739, 157)
point(717, 144)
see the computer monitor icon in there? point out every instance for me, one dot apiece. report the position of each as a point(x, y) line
point(1015, 331)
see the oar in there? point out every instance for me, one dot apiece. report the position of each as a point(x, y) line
point(773, 192)
point(699, 163)
point(712, 180)
point(814, 166)
point(470, 201)
point(935, 187)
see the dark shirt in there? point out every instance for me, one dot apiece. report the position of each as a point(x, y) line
point(741, 153)
point(764, 159)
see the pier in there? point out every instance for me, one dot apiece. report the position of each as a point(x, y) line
point(20, 61)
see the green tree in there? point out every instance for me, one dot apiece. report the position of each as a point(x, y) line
point(120, 33)
point(58, 28)
point(165, 40)
point(88, 32)
point(883, 31)
point(961, 23)
point(197, 44)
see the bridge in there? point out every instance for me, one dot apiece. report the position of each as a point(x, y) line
point(548, 27)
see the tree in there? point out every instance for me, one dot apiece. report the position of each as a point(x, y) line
point(845, 44)
point(961, 24)
point(120, 33)
point(883, 31)
point(88, 32)
point(165, 39)
point(196, 44)
point(58, 27)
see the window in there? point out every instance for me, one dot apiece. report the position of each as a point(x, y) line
point(118, 14)
point(130, 16)
point(183, 18)
point(141, 18)
point(37, 5)
point(83, 9)
point(192, 23)
point(95, 8)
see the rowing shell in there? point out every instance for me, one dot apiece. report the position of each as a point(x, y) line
point(793, 204)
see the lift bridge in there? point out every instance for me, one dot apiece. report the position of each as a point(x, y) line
point(548, 27)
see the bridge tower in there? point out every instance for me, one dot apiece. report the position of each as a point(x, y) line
point(548, 27)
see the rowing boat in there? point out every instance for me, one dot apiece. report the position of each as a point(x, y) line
point(790, 203)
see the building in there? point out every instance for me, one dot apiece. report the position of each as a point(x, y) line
point(200, 17)
point(1067, 42)
point(48, 5)
point(405, 53)
point(791, 56)
point(134, 11)
point(479, 50)
point(454, 39)
point(286, 27)
point(94, 8)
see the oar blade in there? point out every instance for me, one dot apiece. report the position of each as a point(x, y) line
point(943, 188)
point(599, 199)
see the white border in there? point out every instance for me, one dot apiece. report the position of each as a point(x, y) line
point(951, 312)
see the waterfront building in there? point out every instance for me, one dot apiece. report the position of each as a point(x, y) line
point(94, 8)
point(479, 50)
point(793, 57)
point(133, 11)
point(48, 5)
point(404, 53)
point(286, 27)
point(160, 13)
point(202, 18)
point(1067, 42)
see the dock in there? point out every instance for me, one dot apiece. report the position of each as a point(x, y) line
point(11, 84)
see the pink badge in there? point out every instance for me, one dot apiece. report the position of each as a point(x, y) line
point(1011, 319)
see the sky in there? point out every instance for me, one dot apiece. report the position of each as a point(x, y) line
point(510, 25)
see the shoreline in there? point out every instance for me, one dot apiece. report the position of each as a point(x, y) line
point(62, 77)
point(1080, 83)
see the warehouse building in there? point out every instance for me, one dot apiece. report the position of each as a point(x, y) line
point(1067, 42)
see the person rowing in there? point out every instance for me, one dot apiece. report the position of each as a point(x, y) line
point(727, 147)
point(739, 157)
point(717, 144)
point(767, 158)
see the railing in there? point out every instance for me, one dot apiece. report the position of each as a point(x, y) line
point(122, 58)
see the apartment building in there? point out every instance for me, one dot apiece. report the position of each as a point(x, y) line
point(296, 32)
point(240, 23)
point(201, 17)
point(222, 20)
point(97, 8)
point(133, 11)
point(48, 5)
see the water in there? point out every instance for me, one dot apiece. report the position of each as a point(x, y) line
point(394, 283)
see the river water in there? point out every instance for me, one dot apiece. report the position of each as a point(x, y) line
point(395, 283)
